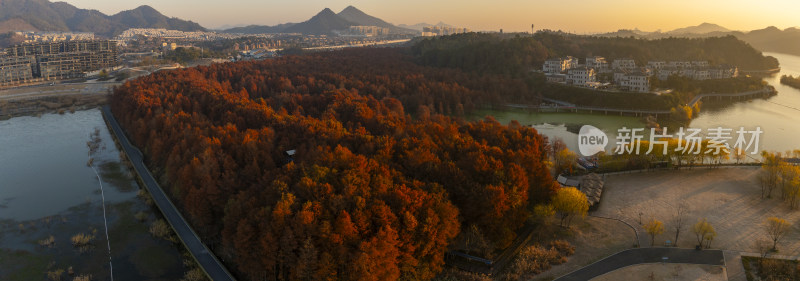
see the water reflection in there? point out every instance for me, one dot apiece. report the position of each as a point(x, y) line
point(46, 190)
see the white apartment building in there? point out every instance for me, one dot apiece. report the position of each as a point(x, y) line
point(666, 72)
point(598, 63)
point(634, 81)
point(581, 76)
point(559, 65)
point(679, 64)
point(656, 65)
point(722, 72)
point(700, 63)
point(701, 74)
point(623, 64)
point(555, 65)
point(571, 62)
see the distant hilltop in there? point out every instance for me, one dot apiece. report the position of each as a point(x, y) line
point(43, 15)
point(326, 22)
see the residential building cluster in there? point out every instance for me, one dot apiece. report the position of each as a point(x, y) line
point(34, 62)
point(698, 70)
point(442, 30)
point(266, 44)
point(134, 33)
point(626, 74)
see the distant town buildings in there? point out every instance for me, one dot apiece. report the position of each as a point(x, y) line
point(442, 30)
point(363, 30)
point(43, 37)
point(170, 34)
point(34, 62)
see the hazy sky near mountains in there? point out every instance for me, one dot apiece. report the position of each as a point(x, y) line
point(579, 16)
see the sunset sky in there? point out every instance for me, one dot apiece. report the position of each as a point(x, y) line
point(581, 16)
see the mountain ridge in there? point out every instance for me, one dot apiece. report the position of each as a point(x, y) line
point(323, 23)
point(700, 29)
point(768, 39)
point(43, 15)
point(326, 22)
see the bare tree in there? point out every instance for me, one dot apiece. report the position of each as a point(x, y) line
point(776, 229)
point(770, 173)
point(762, 246)
point(739, 155)
point(679, 220)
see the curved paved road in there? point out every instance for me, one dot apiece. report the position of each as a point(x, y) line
point(207, 261)
point(645, 255)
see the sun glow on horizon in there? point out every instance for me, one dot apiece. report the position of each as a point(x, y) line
point(577, 16)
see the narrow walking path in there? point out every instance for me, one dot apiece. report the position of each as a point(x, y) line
point(734, 267)
point(645, 255)
point(205, 258)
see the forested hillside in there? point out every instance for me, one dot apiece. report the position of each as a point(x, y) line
point(516, 57)
point(370, 193)
point(509, 54)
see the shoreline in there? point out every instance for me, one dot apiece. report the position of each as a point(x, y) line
point(53, 104)
point(58, 98)
point(762, 71)
point(764, 92)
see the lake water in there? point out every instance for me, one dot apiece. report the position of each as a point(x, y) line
point(564, 126)
point(778, 116)
point(47, 189)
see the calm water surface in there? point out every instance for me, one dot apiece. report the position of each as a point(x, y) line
point(777, 116)
point(47, 189)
